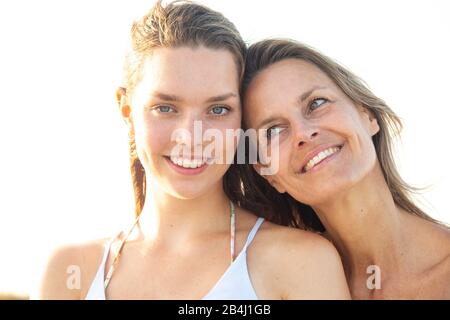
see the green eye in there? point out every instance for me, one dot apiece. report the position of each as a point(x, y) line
point(219, 110)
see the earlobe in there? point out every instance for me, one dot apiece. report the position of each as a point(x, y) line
point(124, 106)
point(374, 127)
point(120, 92)
point(125, 110)
point(373, 122)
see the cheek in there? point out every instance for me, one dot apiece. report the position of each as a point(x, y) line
point(361, 145)
point(152, 136)
point(368, 154)
point(228, 131)
point(280, 163)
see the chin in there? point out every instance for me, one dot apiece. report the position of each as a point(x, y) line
point(188, 192)
point(322, 192)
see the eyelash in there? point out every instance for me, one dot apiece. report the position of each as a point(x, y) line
point(314, 100)
point(309, 111)
point(269, 129)
point(220, 106)
point(158, 108)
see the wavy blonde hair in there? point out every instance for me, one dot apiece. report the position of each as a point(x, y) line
point(267, 52)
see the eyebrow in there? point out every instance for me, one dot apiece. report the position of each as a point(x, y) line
point(302, 98)
point(268, 120)
point(305, 95)
point(222, 97)
point(166, 97)
point(174, 98)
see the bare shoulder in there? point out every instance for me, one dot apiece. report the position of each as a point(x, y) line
point(274, 236)
point(441, 233)
point(434, 283)
point(305, 264)
point(438, 274)
point(69, 269)
point(287, 241)
point(445, 232)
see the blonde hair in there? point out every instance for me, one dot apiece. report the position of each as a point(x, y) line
point(179, 23)
point(265, 53)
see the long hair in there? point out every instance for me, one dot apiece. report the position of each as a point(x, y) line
point(284, 208)
point(179, 23)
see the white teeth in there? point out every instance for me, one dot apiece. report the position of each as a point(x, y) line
point(322, 155)
point(187, 163)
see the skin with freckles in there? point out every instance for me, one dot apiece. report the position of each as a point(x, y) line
point(328, 161)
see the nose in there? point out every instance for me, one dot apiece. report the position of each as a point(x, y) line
point(305, 132)
point(188, 131)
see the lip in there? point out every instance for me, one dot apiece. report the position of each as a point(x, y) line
point(185, 171)
point(310, 155)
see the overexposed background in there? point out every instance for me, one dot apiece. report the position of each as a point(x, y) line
point(64, 172)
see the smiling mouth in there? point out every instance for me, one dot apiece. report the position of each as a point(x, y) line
point(187, 163)
point(325, 154)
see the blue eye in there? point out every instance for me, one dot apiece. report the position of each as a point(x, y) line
point(164, 109)
point(316, 103)
point(219, 110)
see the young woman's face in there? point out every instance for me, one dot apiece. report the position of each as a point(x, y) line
point(179, 87)
point(325, 140)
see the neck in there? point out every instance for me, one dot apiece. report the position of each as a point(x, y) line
point(366, 226)
point(168, 219)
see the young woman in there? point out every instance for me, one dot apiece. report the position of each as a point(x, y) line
point(337, 171)
point(189, 240)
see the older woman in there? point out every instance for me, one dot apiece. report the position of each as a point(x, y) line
point(336, 170)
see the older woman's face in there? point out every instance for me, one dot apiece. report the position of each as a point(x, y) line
point(325, 140)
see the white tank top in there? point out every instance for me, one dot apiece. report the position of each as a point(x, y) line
point(234, 284)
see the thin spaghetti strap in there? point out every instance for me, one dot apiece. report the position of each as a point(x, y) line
point(119, 252)
point(253, 231)
point(232, 230)
point(122, 243)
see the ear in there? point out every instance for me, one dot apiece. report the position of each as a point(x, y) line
point(372, 121)
point(271, 179)
point(124, 106)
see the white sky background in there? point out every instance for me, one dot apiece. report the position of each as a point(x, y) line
point(64, 155)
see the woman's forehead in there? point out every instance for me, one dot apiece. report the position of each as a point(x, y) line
point(189, 62)
point(290, 72)
point(189, 71)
